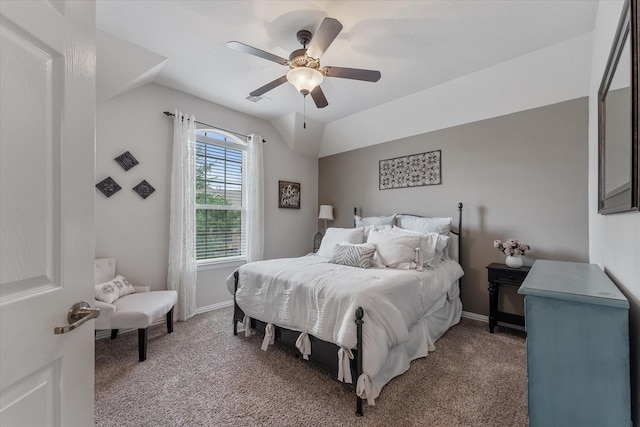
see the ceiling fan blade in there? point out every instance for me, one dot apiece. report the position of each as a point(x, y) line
point(318, 97)
point(257, 52)
point(327, 32)
point(353, 73)
point(266, 88)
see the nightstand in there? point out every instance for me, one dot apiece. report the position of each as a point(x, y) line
point(317, 239)
point(500, 274)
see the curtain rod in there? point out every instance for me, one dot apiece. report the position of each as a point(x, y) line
point(168, 114)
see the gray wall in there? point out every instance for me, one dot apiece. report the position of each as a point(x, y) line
point(136, 231)
point(521, 176)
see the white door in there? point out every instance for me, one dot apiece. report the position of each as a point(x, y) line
point(47, 109)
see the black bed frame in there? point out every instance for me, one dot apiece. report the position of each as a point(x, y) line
point(324, 353)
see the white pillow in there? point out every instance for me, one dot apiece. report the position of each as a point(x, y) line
point(113, 289)
point(442, 248)
point(425, 225)
point(431, 246)
point(374, 220)
point(375, 227)
point(354, 255)
point(333, 236)
point(397, 250)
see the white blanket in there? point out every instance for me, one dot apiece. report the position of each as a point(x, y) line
point(311, 295)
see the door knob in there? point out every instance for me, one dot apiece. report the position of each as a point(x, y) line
point(79, 313)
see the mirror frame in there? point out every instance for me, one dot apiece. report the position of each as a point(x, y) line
point(627, 199)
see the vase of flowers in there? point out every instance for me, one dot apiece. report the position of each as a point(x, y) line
point(513, 250)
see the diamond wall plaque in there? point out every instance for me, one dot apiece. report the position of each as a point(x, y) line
point(126, 160)
point(144, 189)
point(108, 186)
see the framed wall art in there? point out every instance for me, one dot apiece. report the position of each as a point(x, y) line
point(410, 171)
point(288, 195)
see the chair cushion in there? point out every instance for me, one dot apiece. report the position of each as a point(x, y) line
point(105, 270)
point(140, 310)
point(106, 310)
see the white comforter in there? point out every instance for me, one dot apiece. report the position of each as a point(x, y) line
point(309, 294)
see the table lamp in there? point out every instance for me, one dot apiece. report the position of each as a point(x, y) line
point(326, 213)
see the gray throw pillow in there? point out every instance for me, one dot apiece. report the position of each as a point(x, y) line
point(353, 255)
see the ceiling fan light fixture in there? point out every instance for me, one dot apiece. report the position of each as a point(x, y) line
point(305, 72)
point(305, 79)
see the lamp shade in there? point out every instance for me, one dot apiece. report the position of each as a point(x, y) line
point(304, 79)
point(326, 212)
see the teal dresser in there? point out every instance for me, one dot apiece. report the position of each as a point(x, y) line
point(577, 325)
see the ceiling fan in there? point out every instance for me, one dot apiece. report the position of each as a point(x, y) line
point(305, 72)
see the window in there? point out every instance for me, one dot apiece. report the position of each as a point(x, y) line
point(220, 169)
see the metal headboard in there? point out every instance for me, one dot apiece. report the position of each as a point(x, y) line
point(457, 233)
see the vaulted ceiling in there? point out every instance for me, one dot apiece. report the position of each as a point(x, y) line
point(416, 45)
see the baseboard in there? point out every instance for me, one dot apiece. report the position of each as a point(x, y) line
point(475, 316)
point(212, 307)
point(485, 319)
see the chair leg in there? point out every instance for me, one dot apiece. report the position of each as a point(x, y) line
point(114, 334)
point(170, 321)
point(142, 344)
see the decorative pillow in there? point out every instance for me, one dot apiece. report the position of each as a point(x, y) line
point(442, 248)
point(431, 246)
point(437, 243)
point(333, 236)
point(396, 250)
point(425, 225)
point(354, 255)
point(374, 220)
point(114, 289)
point(375, 227)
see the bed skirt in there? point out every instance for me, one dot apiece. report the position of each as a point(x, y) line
point(422, 338)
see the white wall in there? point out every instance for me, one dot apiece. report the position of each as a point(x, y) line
point(136, 231)
point(614, 240)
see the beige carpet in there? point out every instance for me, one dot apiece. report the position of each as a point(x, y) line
point(202, 375)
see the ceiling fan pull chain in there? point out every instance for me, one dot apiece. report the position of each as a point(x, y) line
point(304, 109)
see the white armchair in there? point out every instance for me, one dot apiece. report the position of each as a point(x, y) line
point(137, 310)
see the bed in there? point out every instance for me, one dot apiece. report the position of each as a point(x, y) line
point(361, 315)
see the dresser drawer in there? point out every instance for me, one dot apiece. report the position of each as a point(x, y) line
point(508, 276)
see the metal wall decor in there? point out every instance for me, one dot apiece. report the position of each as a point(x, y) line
point(144, 189)
point(108, 186)
point(126, 160)
point(410, 171)
point(288, 194)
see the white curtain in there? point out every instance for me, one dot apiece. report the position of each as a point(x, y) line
point(255, 199)
point(182, 257)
